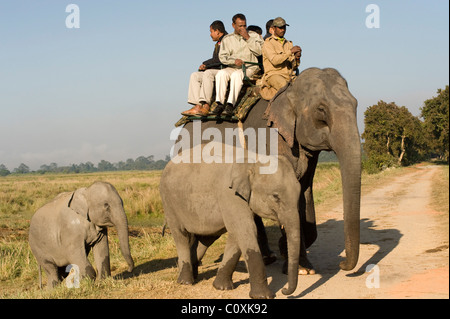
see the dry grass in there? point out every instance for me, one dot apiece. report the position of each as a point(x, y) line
point(155, 256)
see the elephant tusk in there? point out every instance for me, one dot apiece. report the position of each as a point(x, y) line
point(241, 135)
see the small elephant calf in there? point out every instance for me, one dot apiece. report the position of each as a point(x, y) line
point(202, 201)
point(63, 231)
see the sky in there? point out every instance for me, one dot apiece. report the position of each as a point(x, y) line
point(113, 88)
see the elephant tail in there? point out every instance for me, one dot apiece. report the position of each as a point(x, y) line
point(164, 229)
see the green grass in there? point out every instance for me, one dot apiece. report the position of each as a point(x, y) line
point(155, 256)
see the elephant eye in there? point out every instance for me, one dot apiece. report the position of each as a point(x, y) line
point(321, 113)
point(320, 116)
point(106, 206)
point(276, 197)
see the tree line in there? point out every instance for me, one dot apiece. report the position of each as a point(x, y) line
point(394, 137)
point(140, 163)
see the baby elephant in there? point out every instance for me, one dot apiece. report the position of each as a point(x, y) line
point(202, 201)
point(63, 232)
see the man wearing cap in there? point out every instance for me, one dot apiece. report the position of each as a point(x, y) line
point(280, 60)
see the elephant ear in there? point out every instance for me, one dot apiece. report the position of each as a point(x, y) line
point(280, 112)
point(78, 202)
point(240, 180)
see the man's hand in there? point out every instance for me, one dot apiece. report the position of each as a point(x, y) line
point(238, 62)
point(243, 32)
point(296, 50)
point(202, 67)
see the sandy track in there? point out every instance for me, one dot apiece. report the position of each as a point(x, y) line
point(405, 240)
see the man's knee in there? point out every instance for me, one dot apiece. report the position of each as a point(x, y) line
point(210, 74)
point(237, 75)
point(221, 75)
point(196, 76)
point(277, 82)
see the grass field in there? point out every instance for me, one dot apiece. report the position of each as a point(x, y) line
point(154, 255)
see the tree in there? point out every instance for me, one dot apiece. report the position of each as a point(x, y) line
point(392, 136)
point(141, 163)
point(4, 171)
point(129, 164)
point(436, 124)
point(104, 166)
point(379, 130)
point(22, 169)
point(408, 144)
point(87, 167)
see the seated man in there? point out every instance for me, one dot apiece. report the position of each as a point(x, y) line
point(201, 84)
point(236, 48)
point(280, 60)
point(269, 29)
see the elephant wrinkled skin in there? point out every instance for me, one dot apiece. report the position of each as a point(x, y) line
point(63, 231)
point(224, 197)
point(314, 113)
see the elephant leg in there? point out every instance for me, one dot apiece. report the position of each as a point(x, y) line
point(259, 288)
point(184, 243)
point(195, 246)
point(230, 259)
point(268, 255)
point(243, 230)
point(79, 257)
point(307, 215)
point(52, 271)
point(101, 256)
point(86, 269)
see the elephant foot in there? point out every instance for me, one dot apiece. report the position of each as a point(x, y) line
point(186, 276)
point(270, 259)
point(305, 267)
point(306, 271)
point(261, 293)
point(221, 283)
point(185, 281)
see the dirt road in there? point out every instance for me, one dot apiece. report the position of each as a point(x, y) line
point(404, 241)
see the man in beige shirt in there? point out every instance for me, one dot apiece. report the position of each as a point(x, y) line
point(280, 60)
point(237, 47)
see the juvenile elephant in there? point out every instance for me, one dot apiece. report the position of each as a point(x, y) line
point(202, 201)
point(63, 231)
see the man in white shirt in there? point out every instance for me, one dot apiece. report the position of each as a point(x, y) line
point(237, 47)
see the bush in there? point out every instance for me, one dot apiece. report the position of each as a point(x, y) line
point(377, 163)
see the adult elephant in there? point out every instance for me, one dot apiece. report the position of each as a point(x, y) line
point(315, 113)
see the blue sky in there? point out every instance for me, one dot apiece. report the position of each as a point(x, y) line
point(113, 88)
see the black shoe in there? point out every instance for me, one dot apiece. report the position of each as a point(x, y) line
point(229, 110)
point(218, 110)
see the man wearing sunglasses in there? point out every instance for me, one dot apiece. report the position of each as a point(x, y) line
point(280, 60)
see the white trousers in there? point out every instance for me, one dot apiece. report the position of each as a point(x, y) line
point(201, 86)
point(235, 77)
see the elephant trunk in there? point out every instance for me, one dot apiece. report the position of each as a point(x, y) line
point(292, 228)
point(121, 224)
point(348, 150)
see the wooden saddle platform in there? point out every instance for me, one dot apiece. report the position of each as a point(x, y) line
point(245, 104)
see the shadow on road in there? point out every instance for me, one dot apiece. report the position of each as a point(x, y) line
point(325, 253)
